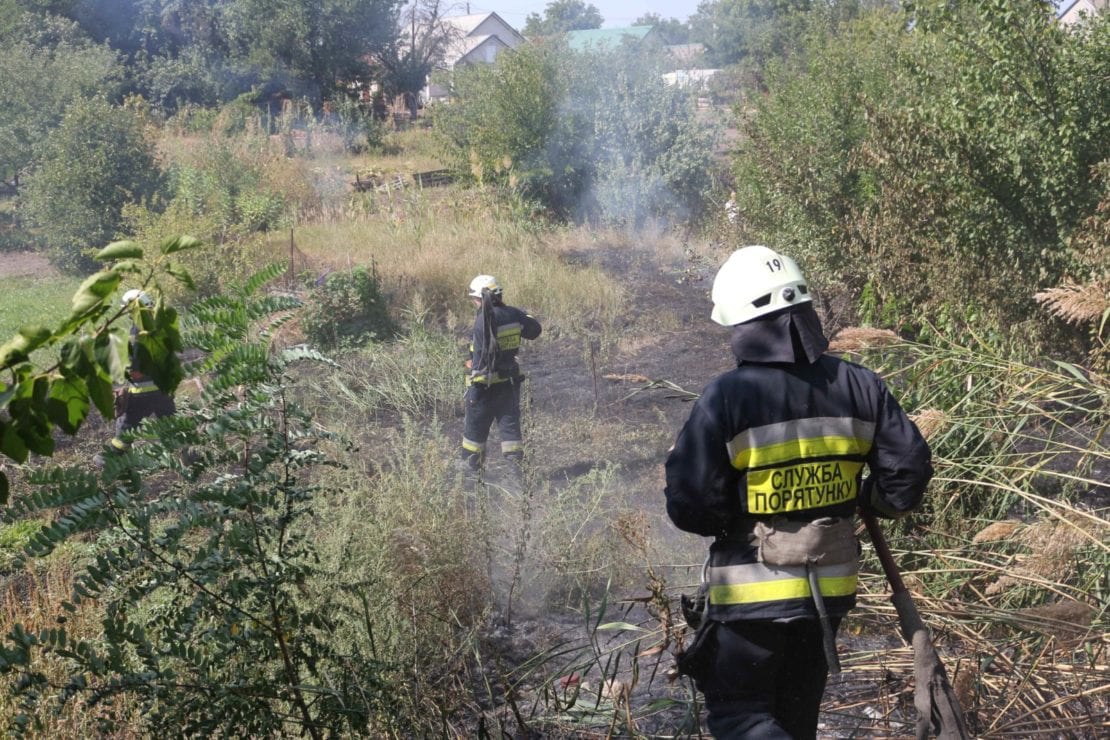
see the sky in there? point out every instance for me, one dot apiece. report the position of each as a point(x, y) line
point(616, 13)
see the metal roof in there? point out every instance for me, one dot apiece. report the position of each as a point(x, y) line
point(605, 38)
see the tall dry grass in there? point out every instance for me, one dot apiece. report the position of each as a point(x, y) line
point(427, 247)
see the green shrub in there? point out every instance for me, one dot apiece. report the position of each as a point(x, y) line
point(946, 168)
point(95, 163)
point(356, 126)
point(347, 310)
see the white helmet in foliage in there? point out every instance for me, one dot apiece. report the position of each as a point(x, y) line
point(756, 281)
point(484, 282)
point(136, 295)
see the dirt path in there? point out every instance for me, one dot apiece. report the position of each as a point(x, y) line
point(25, 264)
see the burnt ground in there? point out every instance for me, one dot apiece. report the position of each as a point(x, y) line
point(637, 390)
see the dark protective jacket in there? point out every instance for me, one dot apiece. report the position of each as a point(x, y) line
point(511, 324)
point(787, 439)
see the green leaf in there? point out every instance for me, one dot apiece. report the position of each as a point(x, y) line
point(36, 336)
point(120, 250)
point(96, 288)
point(1072, 370)
point(23, 344)
point(131, 266)
point(11, 444)
point(179, 244)
point(15, 351)
point(68, 404)
point(617, 626)
point(181, 274)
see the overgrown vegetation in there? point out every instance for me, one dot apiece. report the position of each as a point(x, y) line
point(947, 168)
point(293, 553)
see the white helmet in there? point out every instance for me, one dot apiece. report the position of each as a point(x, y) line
point(484, 282)
point(136, 295)
point(755, 281)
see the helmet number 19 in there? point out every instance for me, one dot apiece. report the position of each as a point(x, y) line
point(774, 265)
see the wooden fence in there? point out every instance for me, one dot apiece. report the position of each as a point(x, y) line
point(429, 179)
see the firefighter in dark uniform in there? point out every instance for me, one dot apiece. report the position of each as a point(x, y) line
point(140, 398)
point(493, 383)
point(770, 464)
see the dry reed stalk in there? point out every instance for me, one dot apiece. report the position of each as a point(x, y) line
point(1077, 304)
point(997, 531)
point(1052, 546)
point(930, 421)
point(627, 377)
point(857, 338)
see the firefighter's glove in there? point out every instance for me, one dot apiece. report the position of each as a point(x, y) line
point(696, 661)
point(871, 501)
point(695, 608)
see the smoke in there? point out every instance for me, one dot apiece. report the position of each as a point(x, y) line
point(646, 158)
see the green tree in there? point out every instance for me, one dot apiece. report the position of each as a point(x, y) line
point(948, 167)
point(210, 51)
point(97, 161)
point(316, 45)
point(507, 126)
point(420, 43)
point(45, 64)
point(652, 159)
point(749, 31)
point(672, 30)
point(800, 176)
point(560, 16)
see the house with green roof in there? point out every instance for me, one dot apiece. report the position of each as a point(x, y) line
point(603, 39)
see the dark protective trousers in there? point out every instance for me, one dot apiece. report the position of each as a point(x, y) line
point(762, 680)
point(139, 406)
point(485, 404)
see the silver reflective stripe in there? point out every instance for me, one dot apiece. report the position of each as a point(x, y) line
point(785, 431)
point(728, 575)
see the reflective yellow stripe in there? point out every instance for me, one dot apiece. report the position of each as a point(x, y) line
point(754, 457)
point(755, 582)
point(787, 588)
point(472, 446)
point(119, 444)
point(512, 446)
point(142, 388)
point(491, 379)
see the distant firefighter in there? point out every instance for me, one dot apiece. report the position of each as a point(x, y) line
point(494, 380)
point(140, 398)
